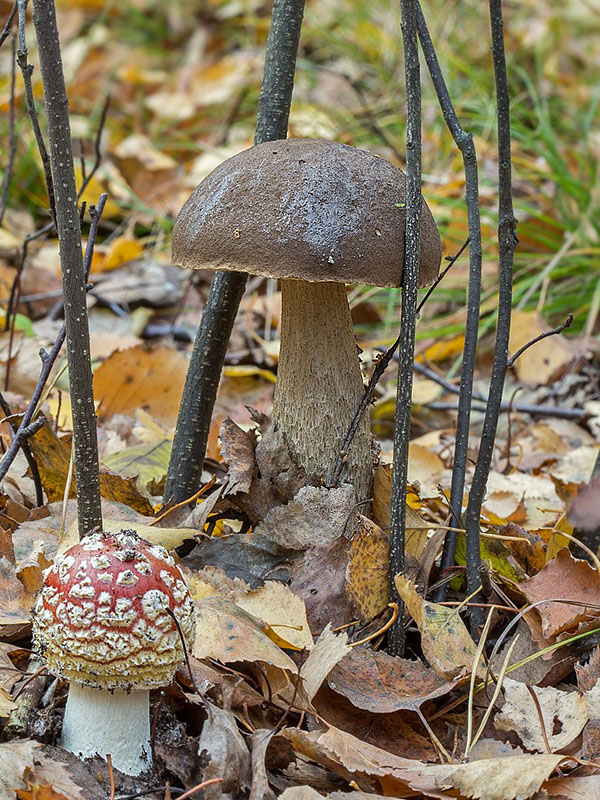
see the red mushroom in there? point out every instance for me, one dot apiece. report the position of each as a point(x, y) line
point(102, 622)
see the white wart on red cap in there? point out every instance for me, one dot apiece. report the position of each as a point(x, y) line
point(101, 618)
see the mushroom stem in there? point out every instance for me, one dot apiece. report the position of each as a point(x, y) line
point(319, 383)
point(99, 722)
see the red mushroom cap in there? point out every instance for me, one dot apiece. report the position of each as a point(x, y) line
point(101, 618)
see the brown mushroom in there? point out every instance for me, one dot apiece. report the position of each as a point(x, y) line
point(317, 215)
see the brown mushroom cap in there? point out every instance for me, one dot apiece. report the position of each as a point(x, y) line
point(304, 208)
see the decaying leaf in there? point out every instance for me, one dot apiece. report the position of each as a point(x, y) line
point(367, 578)
point(151, 378)
point(227, 633)
point(237, 448)
point(329, 649)
point(564, 715)
point(445, 640)
point(223, 746)
point(566, 578)
point(513, 778)
point(376, 682)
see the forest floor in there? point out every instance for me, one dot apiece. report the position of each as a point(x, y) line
point(296, 584)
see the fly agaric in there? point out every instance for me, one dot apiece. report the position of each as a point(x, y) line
point(102, 622)
point(317, 215)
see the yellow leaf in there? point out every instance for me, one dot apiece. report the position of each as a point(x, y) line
point(122, 250)
point(150, 378)
point(249, 371)
point(283, 612)
point(446, 643)
point(440, 351)
point(367, 580)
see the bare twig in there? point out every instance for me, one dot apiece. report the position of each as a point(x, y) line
point(521, 408)
point(380, 367)
point(8, 23)
point(559, 329)
point(410, 278)
point(87, 473)
point(35, 473)
point(464, 142)
point(27, 71)
point(87, 178)
point(507, 241)
point(12, 139)
point(184, 475)
point(49, 358)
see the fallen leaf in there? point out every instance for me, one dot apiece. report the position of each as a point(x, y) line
point(327, 651)
point(237, 448)
point(446, 643)
point(144, 377)
point(281, 610)
point(222, 744)
point(513, 778)
point(564, 715)
point(227, 633)
point(147, 462)
point(376, 682)
point(367, 573)
point(565, 578)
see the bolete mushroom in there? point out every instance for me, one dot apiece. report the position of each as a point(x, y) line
point(317, 215)
point(102, 622)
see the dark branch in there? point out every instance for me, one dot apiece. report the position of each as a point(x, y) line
point(49, 358)
point(184, 475)
point(507, 241)
point(12, 139)
point(559, 329)
point(464, 142)
point(8, 23)
point(410, 277)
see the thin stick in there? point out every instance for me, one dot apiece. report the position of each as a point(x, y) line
point(410, 274)
point(464, 142)
point(27, 70)
point(97, 150)
point(48, 359)
point(475, 667)
point(199, 787)
point(35, 473)
point(12, 139)
point(559, 329)
point(184, 474)
point(507, 241)
point(111, 776)
point(522, 408)
point(8, 23)
point(383, 629)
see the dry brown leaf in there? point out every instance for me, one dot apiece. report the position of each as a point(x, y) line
point(584, 511)
point(227, 633)
point(328, 650)
point(445, 640)
point(228, 756)
point(53, 456)
point(513, 778)
point(566, 578)
point(586, 787)
point(376, 682)
point(144, 377)
point(573, 470)
point(237, 448)
point(301, 793)
point(15, 602)
point(15, 758)
point(564, 712)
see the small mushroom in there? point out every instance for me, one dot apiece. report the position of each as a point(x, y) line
point(317, 215)
point(102, 622)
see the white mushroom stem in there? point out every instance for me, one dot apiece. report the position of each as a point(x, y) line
point(319, 383)
point(98, 722)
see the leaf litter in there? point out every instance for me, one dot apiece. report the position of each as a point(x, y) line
point(288, 704)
